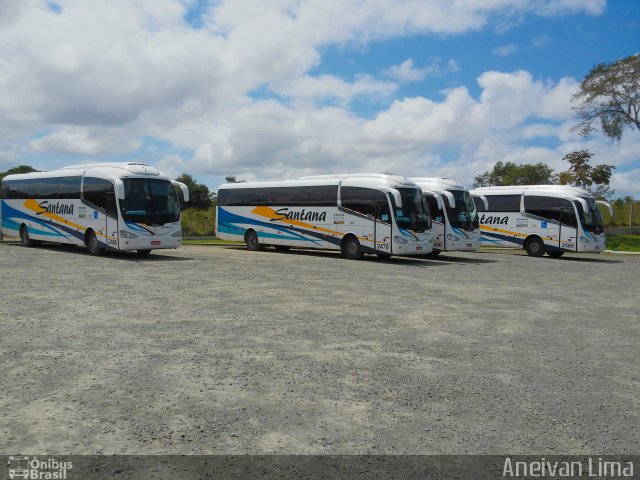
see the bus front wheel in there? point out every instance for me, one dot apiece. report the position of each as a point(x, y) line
point(251, 239)
point(534, 247)
point(351, 249)
point(24, 237)
point(93, 245)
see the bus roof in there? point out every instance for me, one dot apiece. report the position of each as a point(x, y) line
point(382, 181)
point(438, 183)
point(560, 190)
point(106, 170)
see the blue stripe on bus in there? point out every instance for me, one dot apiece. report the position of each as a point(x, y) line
point(9, 214)
point(227, 221)
point(498, 236)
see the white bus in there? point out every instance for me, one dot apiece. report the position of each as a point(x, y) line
point(122, 206)
point(541, 218)
point(456, 226)
point(359, 213)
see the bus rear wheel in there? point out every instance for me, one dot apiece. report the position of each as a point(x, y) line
point(93, 246)
point(534, 247)
point(144, 252)
point(251, 239)
point(25, 240)
point(555, 253)
point(351, 248)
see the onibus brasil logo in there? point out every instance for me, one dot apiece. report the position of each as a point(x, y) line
point(33, 468)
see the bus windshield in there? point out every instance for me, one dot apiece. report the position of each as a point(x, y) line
point(591, 220)
point(149, 201)
point(412, 214)
point(464, 215)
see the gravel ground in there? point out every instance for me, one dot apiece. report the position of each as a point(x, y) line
point(220, 350)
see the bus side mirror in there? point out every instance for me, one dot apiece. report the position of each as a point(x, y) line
point(483, 198)
point(119, 189)
point(184, 188)
point(397, 198)
point(450, 198)
point(608, 205)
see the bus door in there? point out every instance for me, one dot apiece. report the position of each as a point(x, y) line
point(568, 227)
point(546, 222)
point(99, 193)
point(437, 219)
point(382, 224)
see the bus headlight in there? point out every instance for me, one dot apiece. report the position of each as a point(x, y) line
point(400, 240)
point(177, 234)
point(453, 238)
point(584, 239)
point(125, 234)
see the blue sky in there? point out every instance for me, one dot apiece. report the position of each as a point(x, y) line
point(278, 89)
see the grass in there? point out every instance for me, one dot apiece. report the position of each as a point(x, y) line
point(623, 243)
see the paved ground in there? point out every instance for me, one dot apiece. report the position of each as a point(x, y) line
point(219, 350)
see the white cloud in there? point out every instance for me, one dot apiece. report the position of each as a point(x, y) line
point(407, 72)
point(95, 77)
point(80, 141)
point(505, 50)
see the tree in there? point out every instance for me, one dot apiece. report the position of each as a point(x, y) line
point(581, 174)
point(511, 174)
point(232, 179)
point(610, 93)
point(18, 169)
point(199, 196)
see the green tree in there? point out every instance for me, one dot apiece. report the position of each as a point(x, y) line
point(610, 93)
point(18, 169)
point(511, 174)
point(581, 174)
point(232, 179)
point(200, 197)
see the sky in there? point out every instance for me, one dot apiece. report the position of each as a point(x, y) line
point(277, 89)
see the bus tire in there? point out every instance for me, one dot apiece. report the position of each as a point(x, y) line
point(534, 247)
point(434, 253)
point(351, 249)
point(143, 252)
point(25, 240)
point(93, 246)
point(251, 239)
point(555, 253)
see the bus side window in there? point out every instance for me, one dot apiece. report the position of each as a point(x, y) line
point(101, 194)
point(436, 213)
point(362, 200)
point(504, 203)
point(568, 214)
point(544, 207)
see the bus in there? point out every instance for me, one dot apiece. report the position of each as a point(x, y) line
point(456, 226)
point(358, 214)
point(551, 219)
point(118, 206)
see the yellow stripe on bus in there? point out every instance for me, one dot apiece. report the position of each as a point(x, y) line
point(509, 232)
point(35, 207)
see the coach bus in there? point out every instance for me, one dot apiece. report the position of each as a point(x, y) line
point(456, 226)
point(121, 206)
point(551, 219)
point(379, 214)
